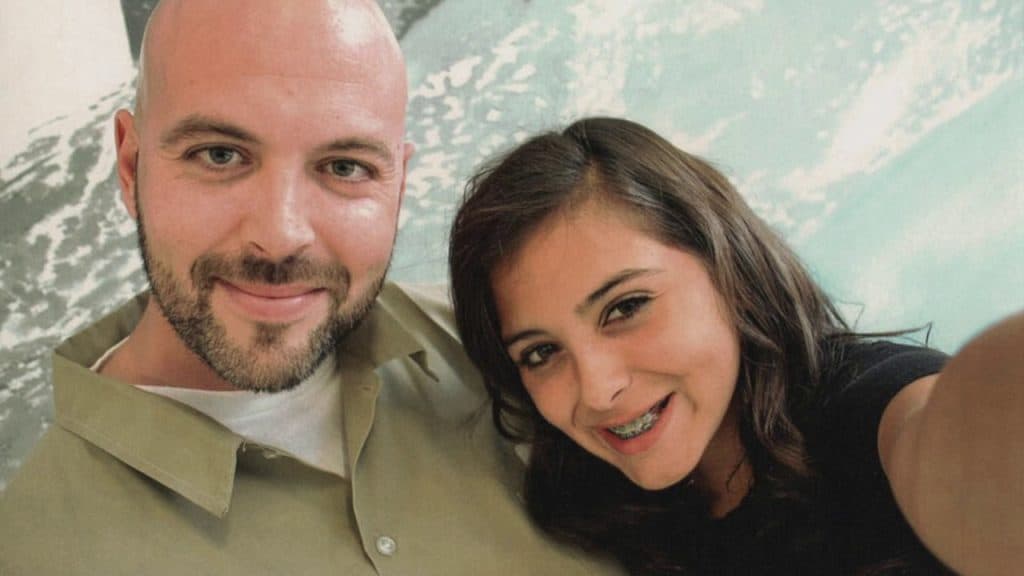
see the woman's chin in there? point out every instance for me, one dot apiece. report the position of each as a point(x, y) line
point(654, 482)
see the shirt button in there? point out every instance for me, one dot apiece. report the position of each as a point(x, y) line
point(386, 545)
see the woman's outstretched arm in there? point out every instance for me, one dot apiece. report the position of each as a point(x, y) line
point(952, 446)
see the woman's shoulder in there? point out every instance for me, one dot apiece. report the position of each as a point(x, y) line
point(859, 378)
point(855, 366)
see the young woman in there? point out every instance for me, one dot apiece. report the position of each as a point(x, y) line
point(693, 401)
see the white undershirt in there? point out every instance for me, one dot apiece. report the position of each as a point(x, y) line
point(304, 422)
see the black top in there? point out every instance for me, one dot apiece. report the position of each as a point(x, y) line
point(861, 529)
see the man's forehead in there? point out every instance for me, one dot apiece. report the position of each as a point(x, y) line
point(279, 126)
point(294, 38)
point(241, 68)
point(355, 21)
point(318, 55)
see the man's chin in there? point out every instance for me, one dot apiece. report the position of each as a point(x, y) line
point(263, 340)
point(274, 357)
point(266, 371)
point(260, 356)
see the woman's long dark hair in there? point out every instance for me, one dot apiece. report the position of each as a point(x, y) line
point(782, 316)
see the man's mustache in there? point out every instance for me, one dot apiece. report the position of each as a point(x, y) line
point(293, 269)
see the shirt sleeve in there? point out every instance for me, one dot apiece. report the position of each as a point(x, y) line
point(864, 380)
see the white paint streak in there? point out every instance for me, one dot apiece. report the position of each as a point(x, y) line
point(507, 52)
point(605, 33)
point(948, 233)
point(701, 143)
point(462, 71)
point(903, 100)
point(756, 88)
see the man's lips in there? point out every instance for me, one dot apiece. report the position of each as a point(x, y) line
point(270, 290)
point(272, 303)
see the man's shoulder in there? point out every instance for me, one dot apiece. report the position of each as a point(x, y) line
point(416, 304)
point(57, 492)
point(90, 343)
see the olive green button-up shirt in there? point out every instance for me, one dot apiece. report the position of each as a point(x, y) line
point(128, 482)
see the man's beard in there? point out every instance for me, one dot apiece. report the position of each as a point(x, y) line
point(193, 320)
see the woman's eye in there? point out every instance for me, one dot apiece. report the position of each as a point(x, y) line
point(347, 169)
point(535, 356)
point(626, 308)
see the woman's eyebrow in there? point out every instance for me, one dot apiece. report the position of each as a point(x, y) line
point(611, 283)
point(508, 342)
point(592, 298)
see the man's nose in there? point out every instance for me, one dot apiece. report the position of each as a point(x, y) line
point(602, 376)
point(279, 222)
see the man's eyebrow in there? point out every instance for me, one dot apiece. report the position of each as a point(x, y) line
point(611, 283)
point(374, 147)
point(196, 125)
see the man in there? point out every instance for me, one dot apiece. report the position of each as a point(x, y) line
point(271, 407)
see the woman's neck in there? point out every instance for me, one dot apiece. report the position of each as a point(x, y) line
point(724, 474)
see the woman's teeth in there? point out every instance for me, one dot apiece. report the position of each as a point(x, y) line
point(642, 424)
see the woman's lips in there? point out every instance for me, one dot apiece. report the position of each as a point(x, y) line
point(641, 423)
point(644, 440)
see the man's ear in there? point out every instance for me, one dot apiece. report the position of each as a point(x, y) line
point(127, 141)
point(408, 149)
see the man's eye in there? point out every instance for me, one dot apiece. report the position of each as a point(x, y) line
point(626, 308)
point(217, 157)
point(535, 356)
point(347, 169)
point(220, 156)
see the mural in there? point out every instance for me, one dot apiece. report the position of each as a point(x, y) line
point(882, 139)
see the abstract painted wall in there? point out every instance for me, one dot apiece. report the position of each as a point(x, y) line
point(883, 139)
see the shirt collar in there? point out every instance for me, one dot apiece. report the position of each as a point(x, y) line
point(171, 443)
point(381, 337)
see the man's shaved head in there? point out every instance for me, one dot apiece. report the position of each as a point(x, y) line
point(265, 165)
point(290, 37)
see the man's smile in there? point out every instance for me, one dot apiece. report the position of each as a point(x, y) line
point(272, 303)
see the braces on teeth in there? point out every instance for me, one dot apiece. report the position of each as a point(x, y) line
point(638, 426)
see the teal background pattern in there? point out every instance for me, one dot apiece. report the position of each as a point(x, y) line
point(882, 139)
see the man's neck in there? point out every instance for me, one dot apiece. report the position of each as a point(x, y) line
point(154, 355)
